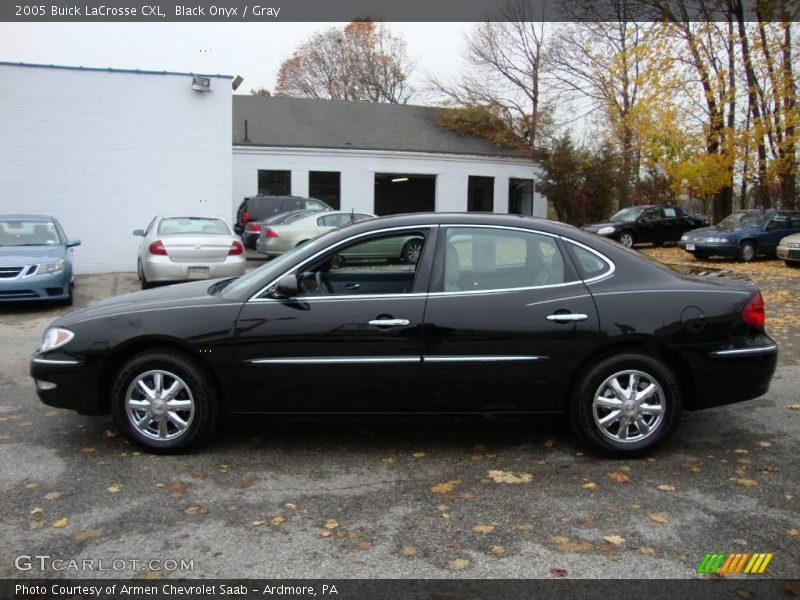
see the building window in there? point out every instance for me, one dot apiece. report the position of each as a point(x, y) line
point(397, 193)
point(274, 183)
point(480, 194)
point(325, 186)
point(520, 196)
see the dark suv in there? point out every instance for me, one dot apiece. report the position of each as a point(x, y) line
point(259, 208)
point(647, 224)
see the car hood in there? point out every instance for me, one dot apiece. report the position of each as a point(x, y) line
point(18, 256)
point(713, 231)
point(168, 297)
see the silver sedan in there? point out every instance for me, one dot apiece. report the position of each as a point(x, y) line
point(180, 248)
point(274, 240)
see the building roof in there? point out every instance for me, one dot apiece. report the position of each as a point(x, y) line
point(311, 123)
point(109, 69)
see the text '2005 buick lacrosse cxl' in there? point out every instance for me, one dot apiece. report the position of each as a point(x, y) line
point(500, 314)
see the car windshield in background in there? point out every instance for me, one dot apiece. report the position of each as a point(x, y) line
point(741, 219)
point(28, 233)
point(628, 215)
point(192, 226)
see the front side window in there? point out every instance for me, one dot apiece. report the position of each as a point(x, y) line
point(477, 259)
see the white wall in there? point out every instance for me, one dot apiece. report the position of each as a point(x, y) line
point(104, 151)
point(358, 168)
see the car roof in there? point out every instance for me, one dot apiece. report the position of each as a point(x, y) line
point(26, 218)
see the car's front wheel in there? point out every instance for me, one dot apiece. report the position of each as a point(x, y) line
point(626, 239)
point(746, 252)
point(163, 401)
point(625, 405)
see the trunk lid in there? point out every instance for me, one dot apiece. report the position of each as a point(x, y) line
point(197, 248)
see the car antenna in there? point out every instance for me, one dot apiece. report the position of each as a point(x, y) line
point(352, 214)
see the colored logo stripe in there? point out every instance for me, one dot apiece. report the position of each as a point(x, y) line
point(724, 563)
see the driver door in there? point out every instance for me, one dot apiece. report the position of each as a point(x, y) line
point(349, 341)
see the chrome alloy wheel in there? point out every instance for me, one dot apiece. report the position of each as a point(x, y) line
point(413, 251)
point(626, 239)
point(159, 405)
point(629, 406)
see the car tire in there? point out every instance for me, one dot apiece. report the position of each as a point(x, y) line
point(411, 252)
point(792, 263)
point(635, 428)
point(146, 418)
point(70, 299)
point(746, 252)
point(146, 285)
point(627, 239)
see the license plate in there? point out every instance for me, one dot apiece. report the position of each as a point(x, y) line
point(198, 273)
point(690, 247)
point(794, 254)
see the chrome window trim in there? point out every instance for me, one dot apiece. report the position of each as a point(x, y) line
point(53, 361)
point(671, 292)
point(487, 358)
point(612, 266)
point(746, 351)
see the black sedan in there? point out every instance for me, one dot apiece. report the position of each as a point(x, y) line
point(647, 225)
point(500, 315)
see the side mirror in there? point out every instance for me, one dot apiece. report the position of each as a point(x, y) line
point(73, 243)
point(286, 287)
point(138, 232)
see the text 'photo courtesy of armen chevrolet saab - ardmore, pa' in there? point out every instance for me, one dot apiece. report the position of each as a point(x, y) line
point(373, 307)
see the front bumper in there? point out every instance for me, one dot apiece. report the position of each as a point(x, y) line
point(785, 253)
point(709, 248)
point(732, 375)
point(64, 382)
point(51, 286)
point(162, 268)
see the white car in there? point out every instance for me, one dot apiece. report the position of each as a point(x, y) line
point(274, 240)
point(180, 248)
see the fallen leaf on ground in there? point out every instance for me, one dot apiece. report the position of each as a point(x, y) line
point(82, 536)
point(31, 486)
point(277, 520)
point(408, 551)
point(794, 406)
point(558, 572)
point(52, 495)
point(550, 443)
point(88, 450)
point(60, 523)
point(324, 534)
point(692, 467)
point(37, 510)
point(458, 563)
point(564, 544)
point(111, 433)
point(526, 527)
point(647, 550)
point(765, 444)
point(619, 477)
point(789, 589)
point(258, 522)
point(364, 545)
point(740, 451)
point(418, 454)
point(196, 510)
point(657, 517)
point(510, 477)
point(445, 488)
point(291, 506)
point(769, 469)
point(496, 550)
point(37, 524)
point(793, 532)
point(478, 528)
point(331, 524)
point(115, 488)
point(744, 593)
point(589, 486)
point(666, 487)
point(442, 507)
point(614, 539)
point(388, 461)
point(747, 482)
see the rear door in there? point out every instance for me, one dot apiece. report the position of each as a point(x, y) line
point(506, 317)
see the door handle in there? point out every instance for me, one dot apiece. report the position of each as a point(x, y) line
point(567, 317)
point(389, 322)
point(352, 286)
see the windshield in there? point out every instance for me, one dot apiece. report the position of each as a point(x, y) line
point(28, 233)
point(628, 215)
point(192, 226)
point(741, 218)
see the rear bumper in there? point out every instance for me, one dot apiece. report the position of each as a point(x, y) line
point(272, 246)
point(54, 286)
point(249, 239)
point(733, 375)
point(161, 268)
point(66, 383)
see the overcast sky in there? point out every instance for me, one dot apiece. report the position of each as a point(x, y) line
point(252, 50)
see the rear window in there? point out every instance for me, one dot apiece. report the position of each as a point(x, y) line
point(192, 225)
point(590, 264)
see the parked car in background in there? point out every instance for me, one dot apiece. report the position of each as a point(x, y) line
point(35, 259)
point(744, 234)
point(181, 248)
point(259, 208)
point(275, 239)
point(501, 315)
point(253, 228)
point(646, 224)
point(789, 250)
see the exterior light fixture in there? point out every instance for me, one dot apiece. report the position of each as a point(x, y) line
point(201, 84)
point(399, 179)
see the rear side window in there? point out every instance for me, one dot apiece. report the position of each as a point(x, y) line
point(670, 212)
point(589, 263)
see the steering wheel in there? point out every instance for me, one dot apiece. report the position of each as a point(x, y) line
point(323, 287)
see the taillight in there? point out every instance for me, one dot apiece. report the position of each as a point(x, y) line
point(253, 228)
point(269, 233)
point(157, 248)
point(236, 249)
point(245, 217)
point(753, 313)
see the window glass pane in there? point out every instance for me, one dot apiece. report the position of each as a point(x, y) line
point(591, 264)
point(669, 212)
point(485, 259)
point(28, 233)
point(480, 194)
point(192, 225)
point(325, 185)
point(274, 183)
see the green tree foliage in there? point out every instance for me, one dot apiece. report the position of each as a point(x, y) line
point(483, 122)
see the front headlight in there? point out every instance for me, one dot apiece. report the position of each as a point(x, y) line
point(684, 238)
point(718, 240)
point(605, 231)
point(51, 267)
point(55, 337)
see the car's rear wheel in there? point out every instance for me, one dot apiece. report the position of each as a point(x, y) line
point(412, 251)
point(625, 405)
point(626, 239)
point(162, 400)
point(746, 252)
